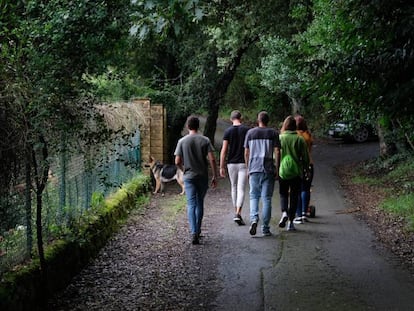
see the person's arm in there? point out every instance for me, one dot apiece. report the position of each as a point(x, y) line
point(277, 155)
point(306, 157)
point(277, 161)
point(246, 157)
point(223, 154)
point(179, 162)
point(212, 160)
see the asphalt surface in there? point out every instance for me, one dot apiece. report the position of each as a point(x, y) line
point(331, 263)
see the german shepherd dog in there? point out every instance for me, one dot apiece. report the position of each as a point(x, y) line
point(164, 173)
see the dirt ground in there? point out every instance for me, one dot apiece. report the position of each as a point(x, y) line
point(151, 265)
point(389, 229)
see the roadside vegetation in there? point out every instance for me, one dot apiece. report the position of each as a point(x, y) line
point(394, 177)
point(25, 287)
point(59, 60)
point(380, 192)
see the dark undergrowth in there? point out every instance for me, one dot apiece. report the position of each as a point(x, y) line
point(382, 191)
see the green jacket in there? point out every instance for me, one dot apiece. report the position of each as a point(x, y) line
point(294, 145)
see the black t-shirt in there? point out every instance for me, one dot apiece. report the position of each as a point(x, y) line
point(235, 135)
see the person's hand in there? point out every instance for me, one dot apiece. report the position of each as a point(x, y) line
point(213, 182)
point(222, 172)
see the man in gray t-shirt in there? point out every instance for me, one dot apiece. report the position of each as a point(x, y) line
point(191, 156)
point(261, 153)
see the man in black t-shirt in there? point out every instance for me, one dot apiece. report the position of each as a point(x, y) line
point(233, 149)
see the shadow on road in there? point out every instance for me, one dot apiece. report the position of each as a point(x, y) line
point(331, 263)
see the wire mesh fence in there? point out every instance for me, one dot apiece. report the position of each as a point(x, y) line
point(77, 183)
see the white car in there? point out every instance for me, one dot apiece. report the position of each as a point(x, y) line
point(352, 131)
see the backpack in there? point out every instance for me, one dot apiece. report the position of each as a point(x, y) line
point(289, 168)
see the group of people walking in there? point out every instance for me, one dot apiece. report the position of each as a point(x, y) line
point(259, 156)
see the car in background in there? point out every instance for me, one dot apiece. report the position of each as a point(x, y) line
point(352, 130)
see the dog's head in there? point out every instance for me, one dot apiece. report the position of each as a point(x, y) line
point(154, 165)
point(151, 162)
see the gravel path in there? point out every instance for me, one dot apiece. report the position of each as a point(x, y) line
point(151, 265)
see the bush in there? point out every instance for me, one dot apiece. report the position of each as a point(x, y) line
point(27, 288)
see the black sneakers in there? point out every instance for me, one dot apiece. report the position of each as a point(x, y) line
point(253, 228)
point(238, 220)
point(195, 239)
point(283, 220)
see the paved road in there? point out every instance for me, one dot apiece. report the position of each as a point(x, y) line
point(332, 263)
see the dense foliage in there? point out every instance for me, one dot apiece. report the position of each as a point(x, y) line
point(191, 50)
point(322, 58)
point(355, 58)
point(46, 47)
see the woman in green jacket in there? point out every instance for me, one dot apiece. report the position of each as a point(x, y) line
point(294, 158)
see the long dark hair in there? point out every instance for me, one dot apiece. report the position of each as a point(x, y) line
point(301, 123)
point(289, 124)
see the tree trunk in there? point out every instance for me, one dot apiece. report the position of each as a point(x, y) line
point(219, 90)
point(387, 148)
point(407, 137)
point(62, 181)
point(175, 129)
point(211, 121)
point(296, 106)
point(41, 172)
point(28, 204)
point(39, 232)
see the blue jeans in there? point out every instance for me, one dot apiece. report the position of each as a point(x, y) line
point(261, 187)
point(304, 196)
point(195, 190)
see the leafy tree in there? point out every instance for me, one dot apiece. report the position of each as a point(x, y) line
point(354, 57)
point(247, 93)
point(199, 45)
point(49, 46)
point(115, 85)
point(282, 73)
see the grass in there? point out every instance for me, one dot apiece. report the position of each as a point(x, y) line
point(366, 180)
point(172, 208)
point(402, 205)
point(396, 176)
point(175, 207)
point(142, 201)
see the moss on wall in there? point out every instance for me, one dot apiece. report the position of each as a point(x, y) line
point(28, 288)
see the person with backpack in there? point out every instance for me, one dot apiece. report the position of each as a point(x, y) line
point(294, 158)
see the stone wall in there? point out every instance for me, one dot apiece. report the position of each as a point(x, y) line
point(153, 131)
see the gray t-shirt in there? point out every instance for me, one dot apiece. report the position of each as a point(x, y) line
point(193, 149)
point(261, 142)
